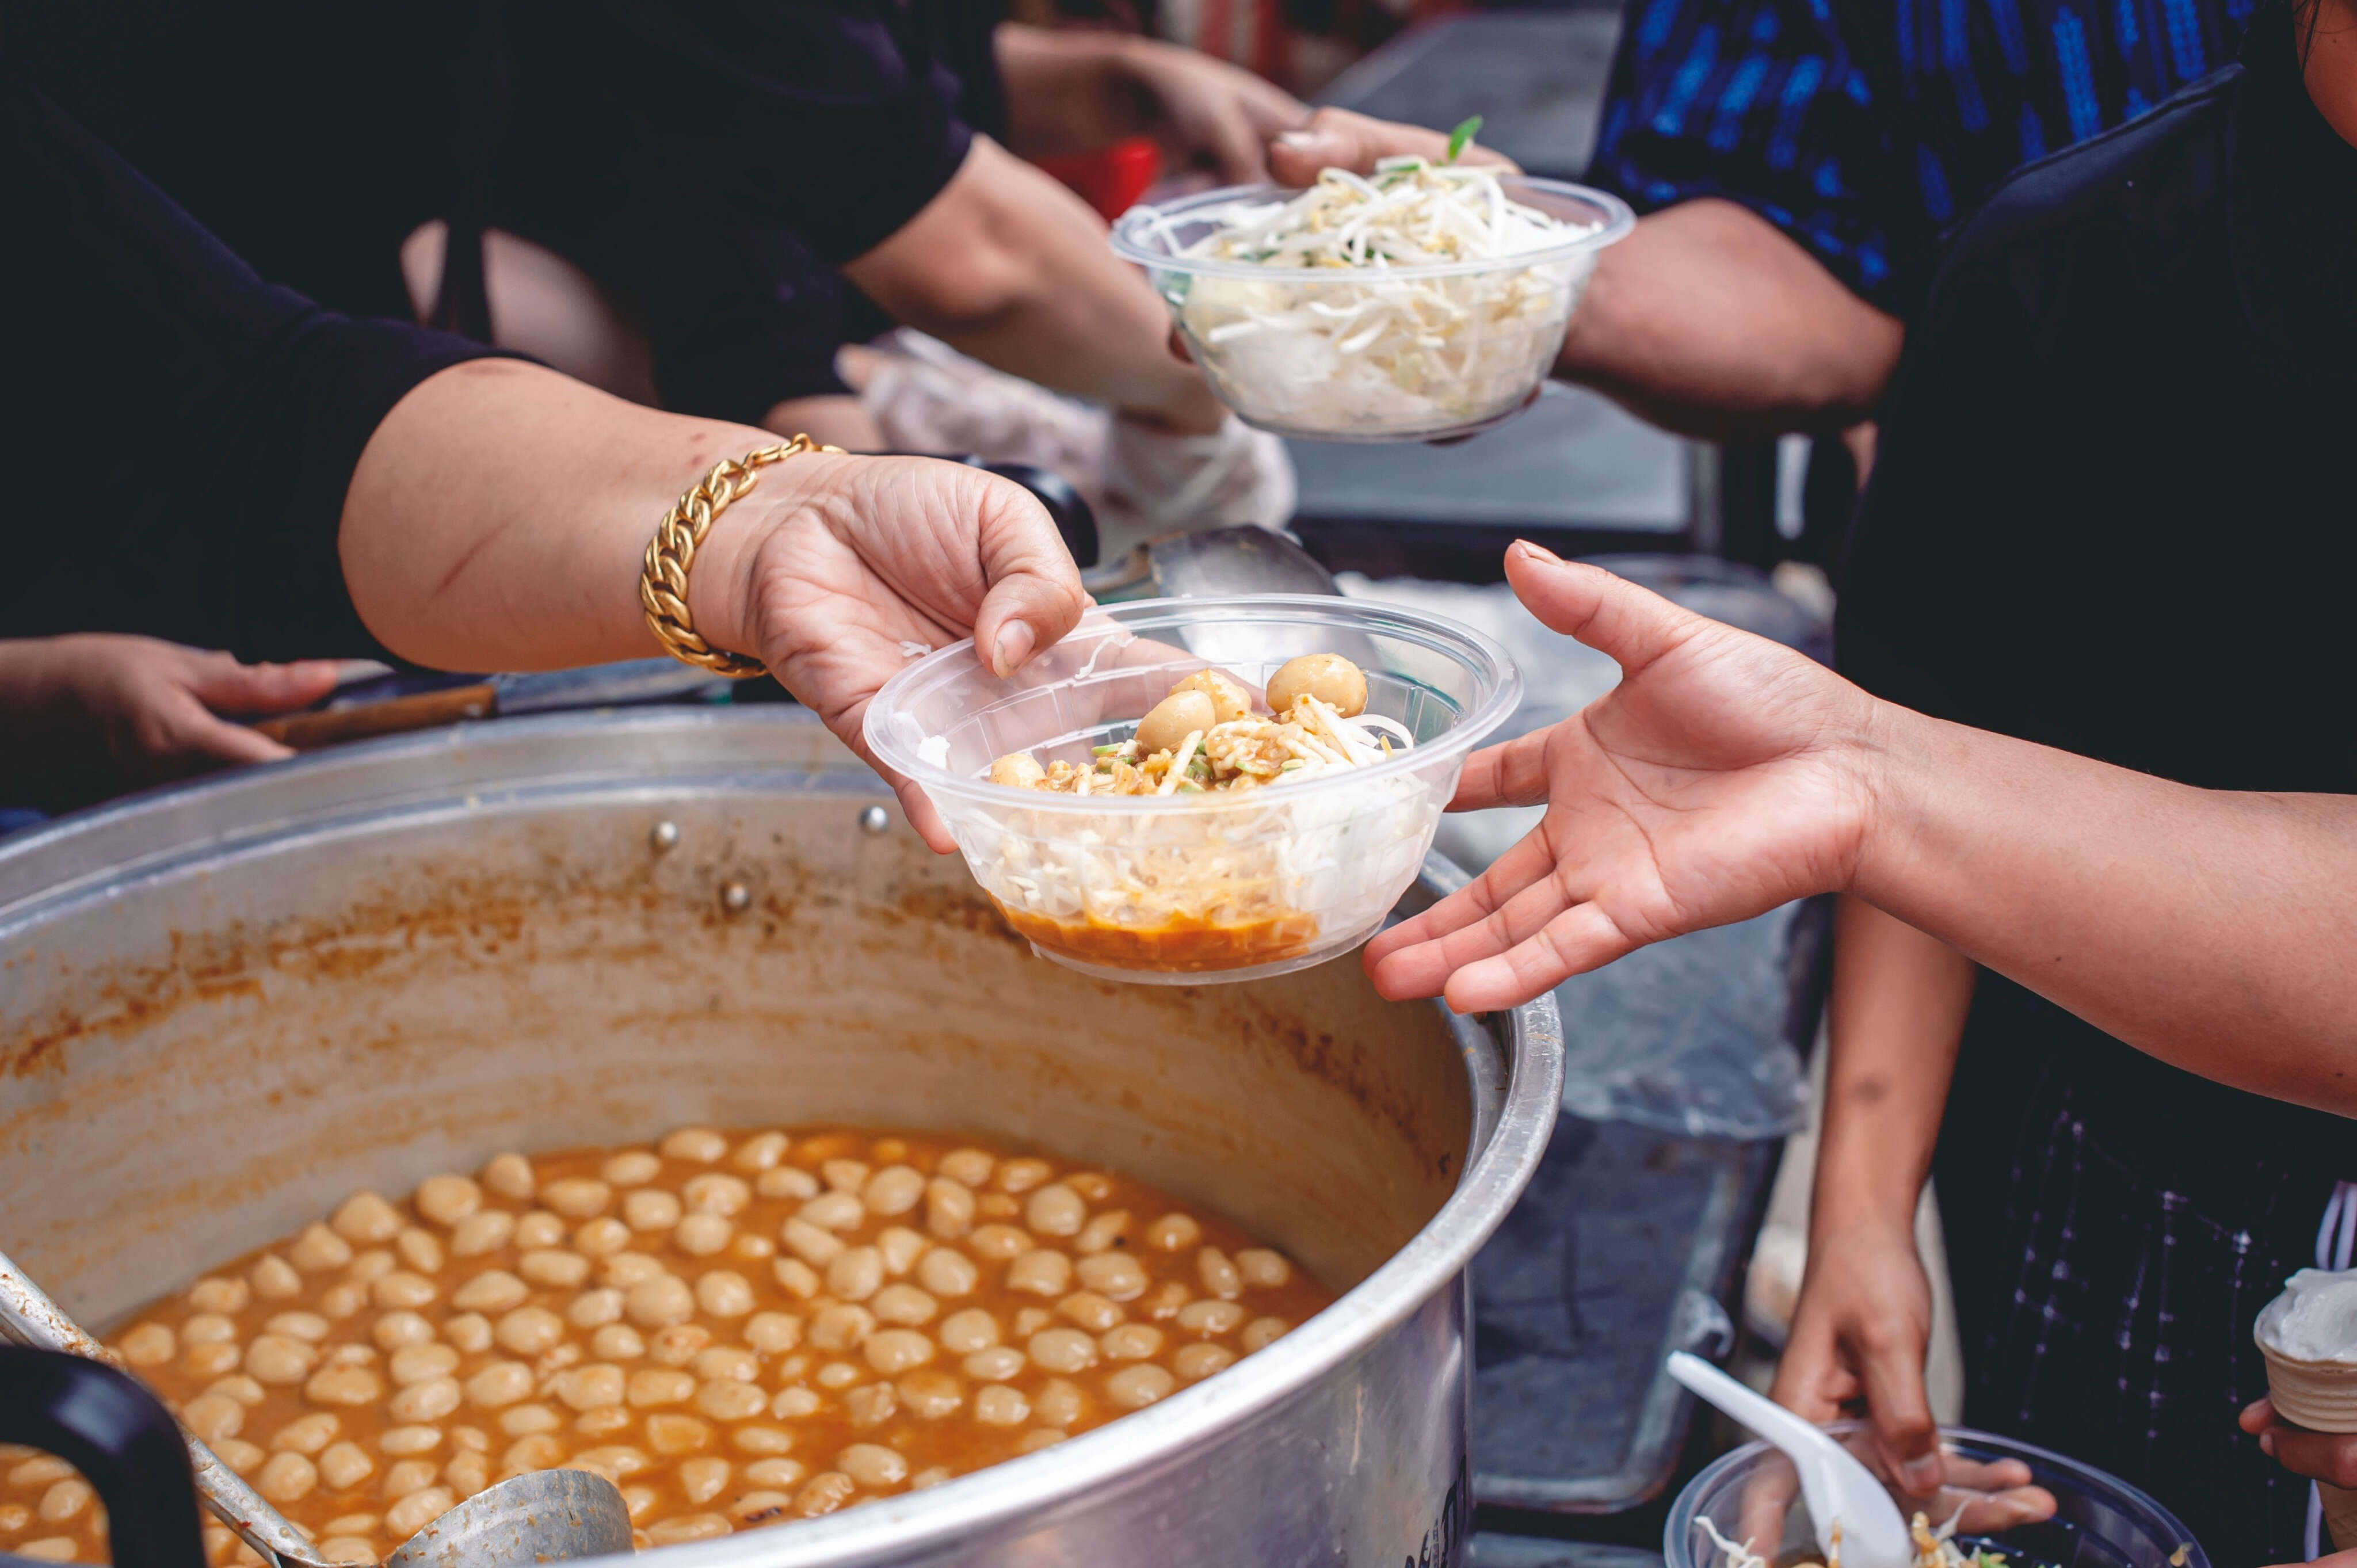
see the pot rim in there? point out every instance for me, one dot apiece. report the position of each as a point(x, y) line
point(651, 754)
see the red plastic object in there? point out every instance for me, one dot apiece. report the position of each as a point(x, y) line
point(1110, 179)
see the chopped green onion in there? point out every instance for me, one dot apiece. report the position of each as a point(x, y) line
point(1462, 137)
point(1105, 750)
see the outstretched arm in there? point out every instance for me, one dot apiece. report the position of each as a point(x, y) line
point(1010, 267)
point(94, 714)
point(311, 478)
point(1074, 90)
point(1726, 775)
point(500, 515)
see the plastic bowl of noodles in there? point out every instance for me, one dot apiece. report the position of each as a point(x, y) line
point(1447, 326)
point(1747, 1499)
point(1196, 885)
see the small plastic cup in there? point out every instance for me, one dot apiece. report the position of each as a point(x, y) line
point(1308, 380)
point(1189, 888)
point(2098, 1518)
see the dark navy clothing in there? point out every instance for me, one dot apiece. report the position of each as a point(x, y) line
point(832, 118)
point(753, 316)
point(182, 434)
point(2112, 512)
point(709, 162)
point(1865, 128)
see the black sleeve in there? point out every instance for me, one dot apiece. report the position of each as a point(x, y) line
point(836, 119)
point(184, 432)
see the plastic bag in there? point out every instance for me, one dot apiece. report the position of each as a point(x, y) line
point(925, 397)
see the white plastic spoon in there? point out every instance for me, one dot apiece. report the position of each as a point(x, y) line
point(1835, 1486)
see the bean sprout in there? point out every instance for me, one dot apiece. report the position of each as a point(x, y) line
point(1934, 1548)
point(1330, 340)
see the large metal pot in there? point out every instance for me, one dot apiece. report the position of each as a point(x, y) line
point(229, 1005)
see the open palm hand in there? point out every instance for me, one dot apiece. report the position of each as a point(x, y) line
point(1724, 775)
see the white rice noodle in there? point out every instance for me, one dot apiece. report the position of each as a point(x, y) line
point(1335, 339)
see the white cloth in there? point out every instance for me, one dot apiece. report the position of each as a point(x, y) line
point(1157, 483)
point(927, 397)
point(1141, 483)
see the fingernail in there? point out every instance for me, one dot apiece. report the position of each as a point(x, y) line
point(1922, 1476)
point(1299, 141)
point(1013, 647)
point(2267, 1443)
point(1537, 551)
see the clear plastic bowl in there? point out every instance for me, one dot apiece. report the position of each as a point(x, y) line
point(1299, 382)
point(2099, 1521)
point(1183, 889)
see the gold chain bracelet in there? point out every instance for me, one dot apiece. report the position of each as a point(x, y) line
point(662, 585)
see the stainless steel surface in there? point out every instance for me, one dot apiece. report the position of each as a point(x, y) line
point(591, 686)
point(30, 1317)
point(1209, 564)
point(1575, 463)
point(393, 958)
point(599, 685)
point(545, 1517)
point(1234, 561)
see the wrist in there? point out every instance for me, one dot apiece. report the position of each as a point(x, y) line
point(723, 587)
point(1896, 771)
point(1880, 1218)
point(1867, 1183)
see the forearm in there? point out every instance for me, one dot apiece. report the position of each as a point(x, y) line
point(1893, 1023)
point(2211, 929)
point(40, 712)
point(1068, 91)
point(500, 516)
point(1010, 267)
point(1709, 321)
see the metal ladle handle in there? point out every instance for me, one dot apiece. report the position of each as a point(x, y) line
point(30, 1317)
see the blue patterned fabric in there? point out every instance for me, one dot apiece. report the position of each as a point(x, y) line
point(1864, 128)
